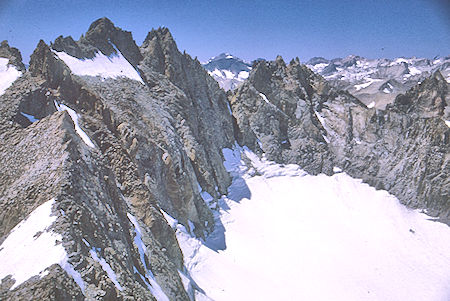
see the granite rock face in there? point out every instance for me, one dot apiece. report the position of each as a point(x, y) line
point(277, 112)
point(102, 36)
point(152, 144)
point(295, 116)
point(13, 54)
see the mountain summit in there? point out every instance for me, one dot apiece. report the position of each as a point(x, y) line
point(229, 71)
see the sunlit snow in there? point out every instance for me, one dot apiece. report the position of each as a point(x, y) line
point(101, 65)
point(8, 74)
point(366, 84)
point(414, 70)
point(243, 75)
point(282, 234)
point(371, 105)
point(149, 279)
point(31, 247)
point(264, 97)
point(106, 267)
point(75, 117)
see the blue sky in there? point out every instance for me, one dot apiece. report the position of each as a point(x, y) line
point(248, 29)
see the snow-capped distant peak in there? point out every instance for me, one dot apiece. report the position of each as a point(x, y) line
point(377, 79)
point(228, 70)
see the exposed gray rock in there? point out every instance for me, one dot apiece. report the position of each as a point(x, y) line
point(276, 112)
point(157, 142)
point(101, 36)
point(155, 146)
point(377, 82)
point(295, 116)
point(13, 54)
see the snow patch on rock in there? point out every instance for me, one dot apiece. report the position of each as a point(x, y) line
point(113, 66)
point(31, 247)
point(8, 74)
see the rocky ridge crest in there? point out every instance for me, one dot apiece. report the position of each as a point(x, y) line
point(295, 116)
point(150, 150)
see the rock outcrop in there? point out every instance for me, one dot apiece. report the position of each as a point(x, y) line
point(119, 151)
point(12, 54)
point(295, 116)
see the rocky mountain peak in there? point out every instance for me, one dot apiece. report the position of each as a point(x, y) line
point(161, 34)
point(429, 98)
point(295, 61)
point(158, 47)
point(377, 82)
point(13, 54)
point(317, 60)
point(126, 159)
point(101, 26)
point(279, 60)
point(102, 36)
point(44, 63)
point(228, 70)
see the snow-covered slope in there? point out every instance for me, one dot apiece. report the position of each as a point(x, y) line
point(282, 234)
point(378, 81)
point(31, 247)
point(101, 65)
point(8, 74)
point(228, 70)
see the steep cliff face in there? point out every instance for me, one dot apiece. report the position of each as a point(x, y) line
point(294, 116)
point(109, 152)
point(277, 112)
point(205, 111)
point(102, 36)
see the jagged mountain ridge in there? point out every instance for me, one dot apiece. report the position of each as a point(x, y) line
point(403, 149)
point(157, 136)
point(149, 153)
point(377, 82)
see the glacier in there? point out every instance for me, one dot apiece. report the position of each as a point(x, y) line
point(282, 234)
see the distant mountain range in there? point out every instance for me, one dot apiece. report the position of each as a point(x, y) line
point(376, 82)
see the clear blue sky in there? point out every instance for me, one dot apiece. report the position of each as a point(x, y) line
point(246, 28)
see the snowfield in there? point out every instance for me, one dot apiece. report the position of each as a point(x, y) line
point(8, 74)
point(31, 247)
point(113, 66)
point(282, 234)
